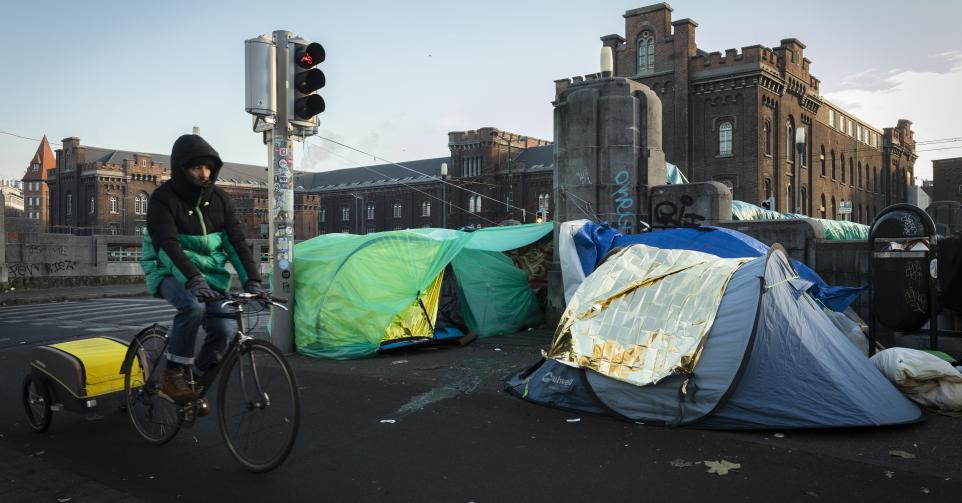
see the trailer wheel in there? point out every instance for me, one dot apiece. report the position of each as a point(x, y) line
point(36, 403)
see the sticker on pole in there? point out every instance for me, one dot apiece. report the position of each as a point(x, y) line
point(283, 264)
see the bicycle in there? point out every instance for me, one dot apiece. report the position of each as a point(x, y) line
point(257, 398)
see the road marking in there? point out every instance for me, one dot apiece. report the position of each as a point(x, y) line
point(101, 329)
point(133, 311)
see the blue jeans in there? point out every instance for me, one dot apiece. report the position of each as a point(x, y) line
point(190, 317)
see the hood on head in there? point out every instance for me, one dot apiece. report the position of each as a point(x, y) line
point(186, 149)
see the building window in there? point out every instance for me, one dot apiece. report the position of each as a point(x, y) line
point(831, 117)
point(858, 134)
point(768, 188)
point(848, 125)
point(544, 202)
point(851, 171)
point(821, 208)
point(140, 204)
point(768, 137)
point(69, 205)
point(398, 227)
point(646, 52)
point(725, 138)
point(397, 209)
point(91, 205)
point(860, 174)
point(35, 167)
point(322, 217)
point(474, 203)
point(821, 157)
point(114, 206)
point(874, 179)
point(370, 211)
point(804, 196)
point(143, 163)
point(834, 169)
point(789, 140)
point(842, 166)
point(114, 229)
point(139, 230)
point(345, 213)
point(834, 211)
point(425, 208)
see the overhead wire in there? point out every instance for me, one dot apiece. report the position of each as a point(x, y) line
point(432, 196)
point(378, 158)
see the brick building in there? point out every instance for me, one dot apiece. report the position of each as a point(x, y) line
point(35, 189)
point(96, 190)
point(732, 118)
point(947, 179)
point(493, 176)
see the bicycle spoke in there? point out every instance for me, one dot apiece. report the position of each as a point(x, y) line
point(155, 418)
point(259, 406)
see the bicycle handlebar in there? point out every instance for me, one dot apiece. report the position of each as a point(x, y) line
point(238, 298)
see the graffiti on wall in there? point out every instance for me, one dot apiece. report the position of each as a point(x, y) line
point(670, 214)
point(624, 202)
point(21, 270)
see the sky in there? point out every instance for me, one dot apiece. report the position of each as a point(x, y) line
point(401, 75)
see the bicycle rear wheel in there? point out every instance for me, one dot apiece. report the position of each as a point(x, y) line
point(36, 403)
point(155, 418)
point(258, 406)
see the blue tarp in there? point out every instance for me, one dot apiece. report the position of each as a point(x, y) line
point(595, 240)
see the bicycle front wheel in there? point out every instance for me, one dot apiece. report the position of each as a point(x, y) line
point(155, 418)
point(258, 406)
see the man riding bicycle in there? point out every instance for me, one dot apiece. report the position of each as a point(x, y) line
point(191, 234)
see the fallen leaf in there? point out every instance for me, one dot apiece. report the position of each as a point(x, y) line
point(681, 463)
point(398, 362)
point(902, 454)
point(573, 420)
point(721, 467)
point(388, 421)
point(889, 473)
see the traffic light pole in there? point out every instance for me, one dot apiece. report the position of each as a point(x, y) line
point(280, 195)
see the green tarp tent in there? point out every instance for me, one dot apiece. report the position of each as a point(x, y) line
point(349, 289)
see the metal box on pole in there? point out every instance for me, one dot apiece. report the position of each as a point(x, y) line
point(260, 85)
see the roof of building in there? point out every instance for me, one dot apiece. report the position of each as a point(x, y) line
point(45, 158)
point(232, 172)
point(367, 176)
point(534, 159)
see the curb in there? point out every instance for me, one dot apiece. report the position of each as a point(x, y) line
point(14, 301)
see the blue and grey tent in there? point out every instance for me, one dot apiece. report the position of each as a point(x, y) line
point(684, 338)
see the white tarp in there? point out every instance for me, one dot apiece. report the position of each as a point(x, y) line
point(924, 378)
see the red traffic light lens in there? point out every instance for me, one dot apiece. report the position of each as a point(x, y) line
point(309, 55)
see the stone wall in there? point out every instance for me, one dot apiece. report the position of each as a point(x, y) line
point(35, 260)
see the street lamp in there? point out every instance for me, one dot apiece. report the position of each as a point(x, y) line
point(444, 200)
point(800, 147)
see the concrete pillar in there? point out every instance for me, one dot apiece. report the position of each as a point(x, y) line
point(608, 152)
point(705, 203)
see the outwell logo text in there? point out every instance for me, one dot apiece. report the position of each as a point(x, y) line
point(549, 377)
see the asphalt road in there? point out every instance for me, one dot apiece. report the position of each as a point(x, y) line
point(454, 437)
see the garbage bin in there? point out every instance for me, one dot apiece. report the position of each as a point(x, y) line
point(903, 293)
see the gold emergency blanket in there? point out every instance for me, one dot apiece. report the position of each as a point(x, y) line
point(643, 314)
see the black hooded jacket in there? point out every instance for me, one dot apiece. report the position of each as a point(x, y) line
point(193, 228)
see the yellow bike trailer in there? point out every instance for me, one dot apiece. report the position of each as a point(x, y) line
point(80, 376)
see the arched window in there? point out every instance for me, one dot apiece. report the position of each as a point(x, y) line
point(768, 188)
point(397, 209)
point(69, 204)
point(834, 211)
point(860, 174)
point(821, 157)
point(834, 169)
point(821, 208)
point(91, 205)
point(768, 137)
point(140, 203)
point(804, 196)
point(842, 166)
point(789, 140)
point(543, 202)
point(646, 52)
point(725, 138)
point(114, 204)
point(851, 171)
point(875, 179)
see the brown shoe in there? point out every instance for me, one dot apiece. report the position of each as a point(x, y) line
point(174, 386)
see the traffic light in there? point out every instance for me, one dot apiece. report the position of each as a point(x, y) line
point(303, 80)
